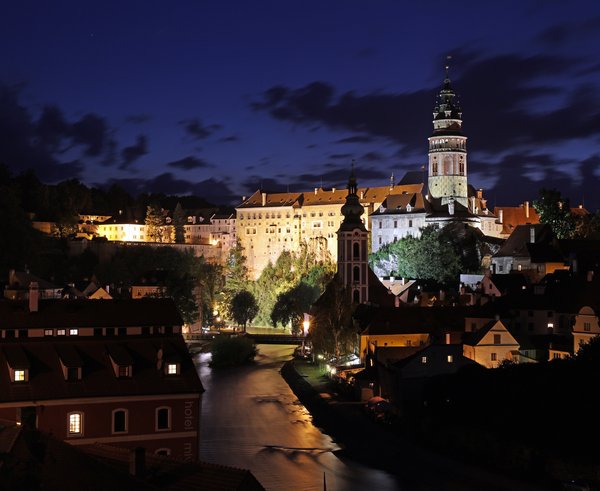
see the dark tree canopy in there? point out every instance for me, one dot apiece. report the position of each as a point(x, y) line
point(556, 212)
point(243, 308)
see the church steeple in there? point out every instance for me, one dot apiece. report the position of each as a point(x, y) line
point(353, 239)
point(448, 148)
point(352, 209)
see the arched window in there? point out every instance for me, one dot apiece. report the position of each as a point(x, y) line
point(119, 421)
point(356, 274)
point(163, 451)
point(356, 250)
point(356, 296)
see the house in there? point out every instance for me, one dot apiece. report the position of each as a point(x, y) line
point(20, 282)
point(585, 327)
point(497, 285)
point(412, 327)
point(532, 250)
point(112, 371)
point(490, 345)
point(412, 373)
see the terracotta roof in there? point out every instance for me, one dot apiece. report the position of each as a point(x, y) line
point(324, 196)
point(397, 203)
point(33, 460)
point(516, 244)
point(47, 381)
point(409, 320)
point(85, 313)
point(513, 216)
point(171, 474)
point(272, 199)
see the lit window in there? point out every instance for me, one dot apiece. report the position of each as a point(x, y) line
point(163, 418)
point(123, 370)
point(61, 332)
point(450, 358)
point(494, 357)
point(423, 359)
point(73, 332)
point(75, 423)
point(19, 375)
point(48, 332)
point(172, 369)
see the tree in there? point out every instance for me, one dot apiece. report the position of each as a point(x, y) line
point(179, 221)
point(432, 256)
point(243, 308)
point(332, 331)
point(156, 230)
point(292, 304)
point(556, 212)
point(235, 275)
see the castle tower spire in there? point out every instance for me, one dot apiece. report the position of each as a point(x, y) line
point(447, 178)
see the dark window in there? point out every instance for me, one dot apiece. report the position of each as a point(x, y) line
point(497, 339)
point(97, 332)
point(119, 421)
point(10, 333)
point(72, 374)
point(168, 329)
point(123, 370)
point(23, 333)
point(356, 250)
point(162, 418)
point(145, 330)
point(356, 296)
point(356, 274)
point(122, 331)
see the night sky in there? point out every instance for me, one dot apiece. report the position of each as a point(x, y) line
point(224, 97)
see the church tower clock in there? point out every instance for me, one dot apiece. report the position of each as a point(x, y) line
point(353, 240)
point(448, 149)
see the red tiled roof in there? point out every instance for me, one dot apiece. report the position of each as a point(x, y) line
point(87, 313)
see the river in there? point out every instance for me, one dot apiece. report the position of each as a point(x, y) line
point(252, 420)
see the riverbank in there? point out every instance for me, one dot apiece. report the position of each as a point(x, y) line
point(372, 444)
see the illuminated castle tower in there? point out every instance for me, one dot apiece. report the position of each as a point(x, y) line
point(448, 149)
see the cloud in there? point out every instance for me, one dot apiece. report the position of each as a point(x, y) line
point(132, 153)
point(188, 163)
point(42, 144)
point(372, 157)
point(356, 139)
point(230, 139)
point(197, 130)
point(341, 156)
point(212, 190)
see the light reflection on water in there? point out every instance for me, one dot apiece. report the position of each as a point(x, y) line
point(252, 420)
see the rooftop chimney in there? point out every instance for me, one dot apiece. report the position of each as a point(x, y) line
point(526, 206)
point(500, 216)
point(532, 234)
point(137, 462)
point(451, 207)
point(479, 193)
point(264, 199)
point(316, 191)
point(34, 296)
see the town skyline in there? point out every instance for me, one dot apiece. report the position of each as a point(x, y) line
point(219, 101)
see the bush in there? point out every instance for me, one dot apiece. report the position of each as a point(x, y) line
point(231, 351)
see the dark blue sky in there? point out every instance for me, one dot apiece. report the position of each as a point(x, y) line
point(220, 98)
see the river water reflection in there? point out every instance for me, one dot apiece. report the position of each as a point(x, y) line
point(252, 420)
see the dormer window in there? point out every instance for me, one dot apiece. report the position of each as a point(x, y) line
point(408, 208)
point(124, 371)
point(172, 369)
point(121, 361)
point(20, 375)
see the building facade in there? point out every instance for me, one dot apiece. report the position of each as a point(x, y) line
point(115, 372)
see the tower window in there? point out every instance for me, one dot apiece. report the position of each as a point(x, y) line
point(356, 250)
point(356, 274)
